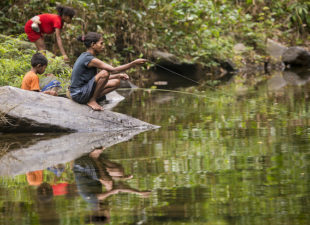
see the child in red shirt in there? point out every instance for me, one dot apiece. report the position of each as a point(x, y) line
point(42, 24)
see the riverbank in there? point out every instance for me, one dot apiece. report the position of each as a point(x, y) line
point(214, 34)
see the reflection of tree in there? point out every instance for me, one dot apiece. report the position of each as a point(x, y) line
point(92, 172)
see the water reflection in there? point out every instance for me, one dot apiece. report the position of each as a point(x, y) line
point(215, 160)
point(296, 77)
point(20, 156)
point(93, 172)
point(45, 192)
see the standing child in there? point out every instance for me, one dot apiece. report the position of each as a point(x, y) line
point(87, 85)
point(42, 24)
point(31, 80)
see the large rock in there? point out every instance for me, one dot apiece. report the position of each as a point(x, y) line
point(275, 49)
point(296, 56)
point(31, 153)
point(28, 111)
point(166, 58)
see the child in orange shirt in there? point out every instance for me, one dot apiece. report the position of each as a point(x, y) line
point(31, 80)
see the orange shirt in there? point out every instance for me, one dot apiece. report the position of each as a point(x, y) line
point(35, 177)
point(31, 82)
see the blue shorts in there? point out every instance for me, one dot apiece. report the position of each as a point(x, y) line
point(83, 94)
point(51, 85)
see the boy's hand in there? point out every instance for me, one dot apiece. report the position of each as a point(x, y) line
point(139, 61)
point(123, 76)
point(50, 92)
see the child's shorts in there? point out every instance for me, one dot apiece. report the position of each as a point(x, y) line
point(32, 35)
point(84, 93)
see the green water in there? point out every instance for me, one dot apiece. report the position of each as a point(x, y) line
point(217, 159)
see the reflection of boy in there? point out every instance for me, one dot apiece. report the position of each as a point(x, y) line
point(35, 178)
point(31, 80)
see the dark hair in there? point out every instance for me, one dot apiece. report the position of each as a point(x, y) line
point(89, 38)
point(45, 192)
point(37, 59)
point(65, 11)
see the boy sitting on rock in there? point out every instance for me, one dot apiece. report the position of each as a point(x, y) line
point(31, 80)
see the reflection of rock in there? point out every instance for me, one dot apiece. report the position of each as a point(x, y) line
point(276, 82)
point(164, 98)
point(288, 77)
point(30, 111)
point(296, 56)
point(45, 153)
point(294, 78)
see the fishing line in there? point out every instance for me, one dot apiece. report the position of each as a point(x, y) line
point(185, 77)
point(171, 71)
point(207, 97)
point(167, 90)
point(217, 90)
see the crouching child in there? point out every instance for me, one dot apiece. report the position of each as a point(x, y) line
point(87, 84)
point(31, 79)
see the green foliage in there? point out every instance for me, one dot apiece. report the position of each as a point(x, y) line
point(195, 30)
point(15, 62)
point(300, 15)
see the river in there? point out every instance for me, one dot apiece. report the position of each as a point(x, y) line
point(220, 157)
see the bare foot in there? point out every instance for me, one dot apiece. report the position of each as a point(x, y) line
point(95, 106)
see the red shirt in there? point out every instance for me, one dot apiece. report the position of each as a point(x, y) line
point(60, 189)
point(49, 22)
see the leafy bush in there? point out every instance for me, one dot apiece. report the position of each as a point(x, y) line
point(15, 62)
point(195, 30)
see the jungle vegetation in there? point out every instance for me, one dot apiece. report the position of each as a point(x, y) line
point(200, 31)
